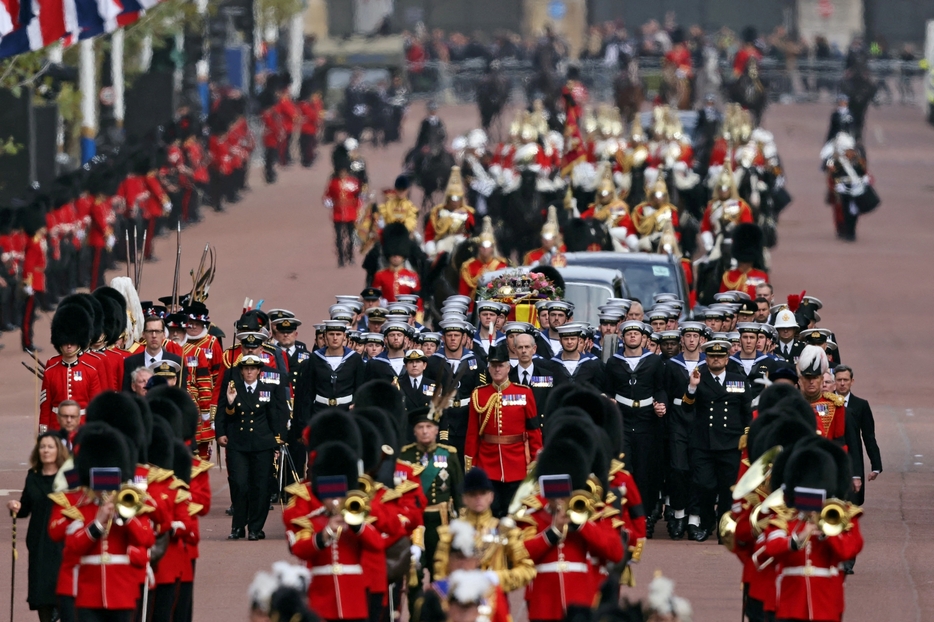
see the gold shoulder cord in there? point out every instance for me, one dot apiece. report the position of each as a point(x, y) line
point(493, 405)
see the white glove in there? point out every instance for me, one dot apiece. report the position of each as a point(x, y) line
point(840, 187)
point(177, 526)
point(431, 248)
point(632, 241)
point(206, 415)
point(167, 208)
point(80, 234)
point(707, 238)
point(492, 576)
point(416, 554)
point(328, 203)
point(111, 240)
point(28, 290)
point(858, 189)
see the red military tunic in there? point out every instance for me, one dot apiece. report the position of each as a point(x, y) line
point(199, 382)
point(113, 361)
point(743, 57)
point(473, 269)
point(63, 513)
point(680, 57)
point(565, 574)
point(343, 197)
point(175, 564)
point(386, 518)
point(758, 576)
point(102, 220)
point(273, 128)
point(503, 432)
point(311, 114)
point(633, 512)
point(737, 280)
point(108, 566)
point(409, 495)
point(338, 587)
point(534, 256)
point(810, 584)
point(78, 381)
point(831, 416)
point(195, 156)
point(393, 282)
point(34, 263)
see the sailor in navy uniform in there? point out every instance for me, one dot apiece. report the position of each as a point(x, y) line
point(429, 342)
point(330, 376)
point(635, 379)
point(678, 426)
point(456, 366)
point(486, 336)
point(721, 404)
point(372, 297)
point(749, 361)
point(559, 312)
point(417, 389)
point(389, 364)
point(573, 365)
point(285, 332)
point(373, 344)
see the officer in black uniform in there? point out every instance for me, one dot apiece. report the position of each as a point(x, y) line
point(417, 389)
point(330, 376)
point(721, 402)
point(636, 379)
point(454, 367)
point(251, 423)
point(573, 365)
point(533, 371)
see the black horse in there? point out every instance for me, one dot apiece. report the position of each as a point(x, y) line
point(441, 279)
point(431, 171)
point(523, 214)
point(749, 91)
point(492, 96)
point(861, 89)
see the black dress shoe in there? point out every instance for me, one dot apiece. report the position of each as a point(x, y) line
point(676, 528)
point(701, 534)
point(650, 527)
point(253, 537)
point(261, 534)
point(229, 511)
point(669, 514)
point(236, 534)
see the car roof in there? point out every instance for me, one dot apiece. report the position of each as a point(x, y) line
point(615, 259)
point(569, 273)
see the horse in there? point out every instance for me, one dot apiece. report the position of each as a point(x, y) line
point(675, 90)
point(859, 86)
point(431, 171)
point(628, 89)
point(492, 96)
point(522, 216)
point(441, 278)
point(749, 91)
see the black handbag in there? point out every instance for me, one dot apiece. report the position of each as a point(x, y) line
point(867, 201)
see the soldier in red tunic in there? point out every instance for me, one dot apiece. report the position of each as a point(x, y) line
point(274, 133)
point(485, 261)
point(70, 376)
point(34, 264)
point(565, 546)
point(396, 279)
point(342, 197)
point(503, 430)
point(806, 550)
point(552, 249)
point(311, 109)
point(747, 251)
point(828, 407)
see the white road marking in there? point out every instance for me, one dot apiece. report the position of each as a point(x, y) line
point(910, 412)
point(7, 493)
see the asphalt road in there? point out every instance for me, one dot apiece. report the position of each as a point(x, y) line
point(277, 245)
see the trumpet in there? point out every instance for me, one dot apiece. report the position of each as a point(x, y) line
point(580, 507)
point(833, 519)
point(355, 508)
point(128, 502)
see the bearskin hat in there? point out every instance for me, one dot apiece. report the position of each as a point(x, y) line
point(162, 447)
point(396, 240)
point(145, 415)
point(565, 457)
point(101, 446)
point(817, 463)
point(190, 415)
point(71, 324)
point(114, 320)
point(747, 243)
point(166, 410)
point(121, 412)
point(372, 449)
point(182, 459)
point(95, 311)
point(335, 458)
point(382, 394)
point(334, 425)
point(774, 427)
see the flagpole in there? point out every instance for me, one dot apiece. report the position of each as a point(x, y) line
point(116, 70)
point(87, 84)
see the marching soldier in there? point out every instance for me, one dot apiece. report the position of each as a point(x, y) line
point(724, 211)
point(485, 261)
point(828, 407)
point(573, 364)
point(721, 403)
point(342, 198)
point(753, 364)
point(389, 364)
point(441, 477)
point(503, 430)
point(398, 208)
point(199, 381)
point(331, 375)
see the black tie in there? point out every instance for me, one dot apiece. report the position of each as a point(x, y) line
point(249, 390)
point(414, 383)
point(525, 378)
point(720, 381)
point(152, 360)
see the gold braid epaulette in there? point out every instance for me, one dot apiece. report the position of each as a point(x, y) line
point(493, 405)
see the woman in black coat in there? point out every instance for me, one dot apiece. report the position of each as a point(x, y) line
point(45, 556)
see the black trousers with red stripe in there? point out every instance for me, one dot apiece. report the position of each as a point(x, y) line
point(29, 319)
point(101, 257)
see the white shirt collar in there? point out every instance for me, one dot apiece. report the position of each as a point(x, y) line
point(523, 370)
point(152, 358)
point(251, 387)
point(721, 377)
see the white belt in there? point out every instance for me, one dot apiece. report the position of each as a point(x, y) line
point(677, 401)
point(625, 401)
point(55, 410)
point(105, 560)
point(809, 571)
point(337, 569)
point(459, 403)
point(562, 567)
point(333, 401)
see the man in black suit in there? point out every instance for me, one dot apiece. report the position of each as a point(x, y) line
point(154, 336)
point(250, 424)
point(534, 372)
point(417, 389)
point(860, 431)
point(721, 404)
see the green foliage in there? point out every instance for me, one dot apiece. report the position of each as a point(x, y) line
point(277, 12)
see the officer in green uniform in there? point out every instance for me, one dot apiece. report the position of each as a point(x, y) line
point(441, 478)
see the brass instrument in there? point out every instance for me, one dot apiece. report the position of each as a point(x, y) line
point(128, 501)
point(728, 531)
point(580, 507)
point(355, 508)
point(758, 472)
point(774, 500)
point(834, 518)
